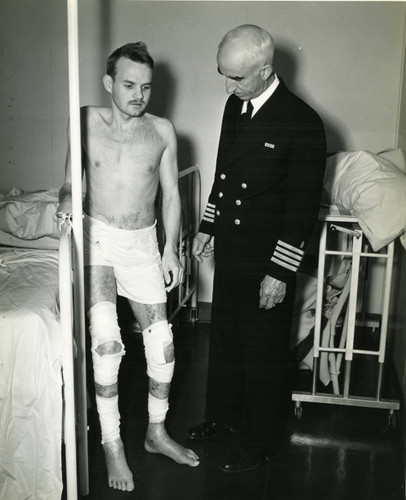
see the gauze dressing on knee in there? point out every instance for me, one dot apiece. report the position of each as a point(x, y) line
point(156, 338)
point(107, 351)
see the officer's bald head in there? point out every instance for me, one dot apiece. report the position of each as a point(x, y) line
point(250, 42)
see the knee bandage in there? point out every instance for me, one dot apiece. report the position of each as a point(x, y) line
point(158, 337)
point(107, 351)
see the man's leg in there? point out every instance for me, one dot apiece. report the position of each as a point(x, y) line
point(107, 351)
point(268, 366)
point(160, 357)
point(225, 375)
point(263, 339)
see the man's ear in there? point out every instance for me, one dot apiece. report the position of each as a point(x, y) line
point(266, 71)
point(107, 82)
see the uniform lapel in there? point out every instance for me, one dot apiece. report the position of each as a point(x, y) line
point(230, 129)
point(256, 131)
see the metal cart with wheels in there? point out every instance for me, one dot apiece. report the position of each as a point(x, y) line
point(330, 347)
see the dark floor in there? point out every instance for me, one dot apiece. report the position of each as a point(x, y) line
point(335, 452)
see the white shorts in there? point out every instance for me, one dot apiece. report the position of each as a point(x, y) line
point(133, 255)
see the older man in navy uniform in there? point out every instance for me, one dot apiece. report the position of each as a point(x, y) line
point(261, 211)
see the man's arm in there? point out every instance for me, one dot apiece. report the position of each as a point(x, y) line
point(65, 193)
point(171, 209)
point(305, 173)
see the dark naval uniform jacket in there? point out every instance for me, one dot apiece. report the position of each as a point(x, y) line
point(267, 188)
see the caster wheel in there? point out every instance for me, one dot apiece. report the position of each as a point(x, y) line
point(298, 412)
point(392, 421)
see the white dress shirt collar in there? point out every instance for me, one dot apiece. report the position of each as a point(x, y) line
point(257, 102)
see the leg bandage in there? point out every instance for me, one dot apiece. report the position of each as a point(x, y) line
point(107, 351)
point(158, 344)
point(157, 409)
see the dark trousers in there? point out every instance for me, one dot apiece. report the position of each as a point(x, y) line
point(250, 366)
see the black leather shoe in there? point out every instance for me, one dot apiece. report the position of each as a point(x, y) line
point(240, 461)
point(205, 430)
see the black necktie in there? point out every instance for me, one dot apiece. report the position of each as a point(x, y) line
point(246, 117)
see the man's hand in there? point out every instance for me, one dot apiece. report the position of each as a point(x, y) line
point(64, 209)
point(201, 246)
point(172, 269)
point(272, 292)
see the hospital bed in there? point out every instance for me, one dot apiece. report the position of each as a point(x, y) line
point(364, 212)
point(36, 361)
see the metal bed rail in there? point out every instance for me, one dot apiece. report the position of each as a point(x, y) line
point(66, 318)
point(188, 290)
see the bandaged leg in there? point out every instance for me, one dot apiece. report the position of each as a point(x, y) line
point(159, 354)
point(107, 351)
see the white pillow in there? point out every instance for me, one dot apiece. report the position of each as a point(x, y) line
point(396, 157)
point(372, 189)
point(29, 215)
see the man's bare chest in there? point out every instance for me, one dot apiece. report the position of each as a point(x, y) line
point(143, 148)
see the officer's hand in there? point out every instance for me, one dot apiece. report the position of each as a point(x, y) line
point(271, 293)
point(201, 246)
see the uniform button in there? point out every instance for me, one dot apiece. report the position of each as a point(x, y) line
point(217, 212)
point(237, 221)
point(221, 195)
point(222, 177)
point(243, 185)
point(238, 202)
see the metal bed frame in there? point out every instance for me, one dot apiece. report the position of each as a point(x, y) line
point(187, 291)
point(347, 225)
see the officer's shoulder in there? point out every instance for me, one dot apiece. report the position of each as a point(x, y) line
point(301, 106)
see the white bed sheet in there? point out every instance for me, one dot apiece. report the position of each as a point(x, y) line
point(30, 375)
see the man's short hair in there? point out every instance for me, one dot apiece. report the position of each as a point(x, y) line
point(256, 40)
point(135, 51)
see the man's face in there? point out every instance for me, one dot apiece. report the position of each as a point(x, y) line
point(244, 77)
point(131, 88)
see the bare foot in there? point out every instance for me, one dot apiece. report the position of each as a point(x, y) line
point(158, 441)
point(118, 472)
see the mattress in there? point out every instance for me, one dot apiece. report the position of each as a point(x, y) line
point(30, 375)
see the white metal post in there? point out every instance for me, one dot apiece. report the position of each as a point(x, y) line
point(66, 316)
point(79, 319)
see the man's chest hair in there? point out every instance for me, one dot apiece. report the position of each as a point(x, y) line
point(141, 145)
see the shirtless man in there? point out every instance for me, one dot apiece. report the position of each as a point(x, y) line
point(127, 153)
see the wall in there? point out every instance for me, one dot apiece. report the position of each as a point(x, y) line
point(344, 58)
point(33, 93)
point(398, 316)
